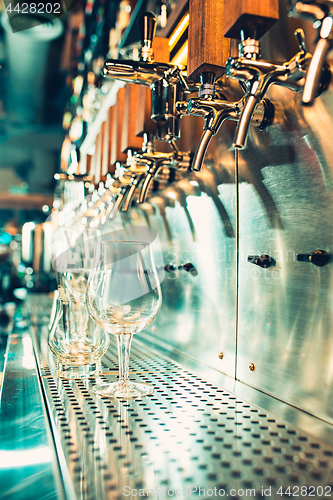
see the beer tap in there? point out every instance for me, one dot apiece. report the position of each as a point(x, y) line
point(131, 188)
point(319, 75)
point(215, 109)
point(158, 161)
point(136, 171)
point(120, 187)
point(165, 80)
point(257, 75)
point(146, 166)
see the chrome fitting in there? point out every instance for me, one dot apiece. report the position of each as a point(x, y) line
point(207, 85)
point(206, 89)
point(263, 115)
point(147, 53)
point(249, 48)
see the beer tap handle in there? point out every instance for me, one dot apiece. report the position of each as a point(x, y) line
point(176, 71)
point(147, 27)
point(300, 37)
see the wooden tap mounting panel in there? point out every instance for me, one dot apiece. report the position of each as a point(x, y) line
point(208, 50)
point(240, 14)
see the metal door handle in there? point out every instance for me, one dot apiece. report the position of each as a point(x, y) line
point(318, 258)
point(189, 267)
point(264, 261)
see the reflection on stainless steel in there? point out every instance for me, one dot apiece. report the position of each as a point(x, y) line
point(209, 182)
point(181, 197)
point(162, 202)
point(28, 463)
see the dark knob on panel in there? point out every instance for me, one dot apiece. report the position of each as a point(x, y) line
point(147, 27)
point(189, 268)
point(264, 261)
point(170, 268)
point(318, 257)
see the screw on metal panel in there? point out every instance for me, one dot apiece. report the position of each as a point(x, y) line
point(221, 355)
point(252, 367)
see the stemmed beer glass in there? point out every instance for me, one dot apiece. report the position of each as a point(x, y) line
point(123, 298)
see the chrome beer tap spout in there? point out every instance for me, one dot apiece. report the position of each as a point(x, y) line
point(134, 184)
point(158, 161)
point(214, 112)
point(146, 71)
point(257, 75)
point(319, 75)
point(215, 109)
point(119, 198)
point(136, 171)
point(143, 167)
point(120, 188)
point(166, 81)
point(135, 180)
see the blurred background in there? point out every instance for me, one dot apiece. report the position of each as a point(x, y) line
point(50, 92)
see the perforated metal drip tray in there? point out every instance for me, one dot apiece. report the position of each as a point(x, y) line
point(189, 435)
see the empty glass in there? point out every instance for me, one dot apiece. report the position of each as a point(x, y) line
point(74, 338)
point(123, 297)
point(76, 341)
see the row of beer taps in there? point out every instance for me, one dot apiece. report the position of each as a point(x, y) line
point(306, 73)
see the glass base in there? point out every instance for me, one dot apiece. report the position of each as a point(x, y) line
point(71, 371)
point(124, 389)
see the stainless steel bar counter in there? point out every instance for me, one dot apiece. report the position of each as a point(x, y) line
point(201, 434)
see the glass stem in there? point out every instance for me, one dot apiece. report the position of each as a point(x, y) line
point(124, 345)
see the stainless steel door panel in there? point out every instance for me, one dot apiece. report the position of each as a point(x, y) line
point(286, 208)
